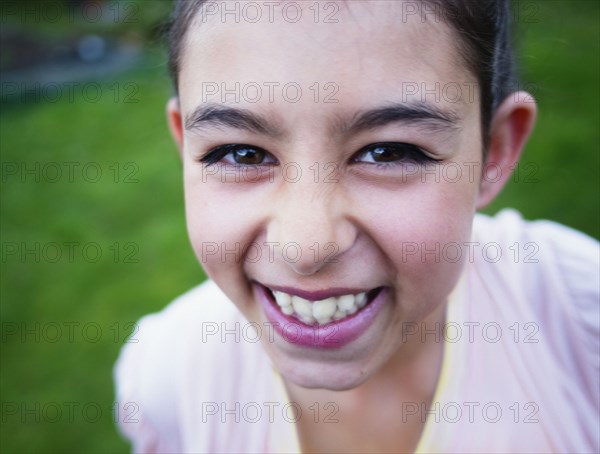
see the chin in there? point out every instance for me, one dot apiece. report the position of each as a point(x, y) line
point(330, 375)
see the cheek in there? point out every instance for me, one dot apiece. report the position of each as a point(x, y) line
point(423, 231)
point(217, 226)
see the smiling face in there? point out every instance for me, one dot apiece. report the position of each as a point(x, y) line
point(345, 183)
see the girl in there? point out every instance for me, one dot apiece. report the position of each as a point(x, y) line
point(334, 156)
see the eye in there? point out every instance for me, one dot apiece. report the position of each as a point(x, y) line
point(391, 153)
point(240, 155)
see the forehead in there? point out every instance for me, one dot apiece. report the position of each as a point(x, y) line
point(369, 50)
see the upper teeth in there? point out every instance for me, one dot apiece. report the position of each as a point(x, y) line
point(323, 311)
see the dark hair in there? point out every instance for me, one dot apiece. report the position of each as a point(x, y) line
point(485, 44)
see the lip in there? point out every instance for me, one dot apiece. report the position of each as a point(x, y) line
point(318, 295)
point(333, 335)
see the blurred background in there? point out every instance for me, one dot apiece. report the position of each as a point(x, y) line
point(92, 226)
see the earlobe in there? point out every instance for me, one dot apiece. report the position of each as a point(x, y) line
point(511, 126)
point(175, 122)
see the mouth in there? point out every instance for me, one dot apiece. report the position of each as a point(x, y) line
point(321, 308)
point(326, 319)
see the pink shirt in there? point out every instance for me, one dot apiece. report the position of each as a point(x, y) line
point(521, 367)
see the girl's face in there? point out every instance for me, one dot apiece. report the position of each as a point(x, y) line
point(347, 182)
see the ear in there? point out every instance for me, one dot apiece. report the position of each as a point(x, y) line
point(175, 122)
point(511, 126)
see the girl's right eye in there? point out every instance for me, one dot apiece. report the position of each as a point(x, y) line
point(239, 155)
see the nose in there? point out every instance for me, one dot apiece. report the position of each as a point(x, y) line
point(311, 225)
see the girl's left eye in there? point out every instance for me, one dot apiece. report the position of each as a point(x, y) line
point(391, 153)
point(240, 155)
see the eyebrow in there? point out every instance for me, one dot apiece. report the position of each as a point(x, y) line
point(216, 115)
point(426, 116)
point(423, 115)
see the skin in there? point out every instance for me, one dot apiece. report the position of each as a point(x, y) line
point(369, 213)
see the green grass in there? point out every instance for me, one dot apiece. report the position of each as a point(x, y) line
point(561, 61)
point(148, 213)
point(561, 56)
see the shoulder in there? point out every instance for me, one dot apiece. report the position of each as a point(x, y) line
point(161, 340)
point(540, 255)
point(539, 283)
point(508, 225)
point(548, 274)
point(191, 353)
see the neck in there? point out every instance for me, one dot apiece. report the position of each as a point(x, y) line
point(413, 370)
